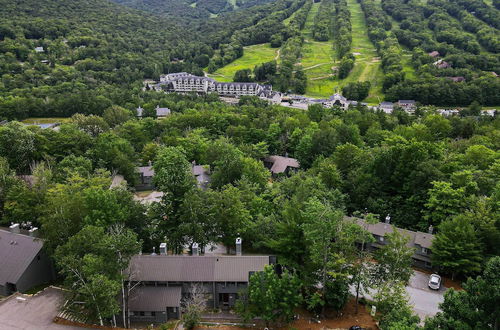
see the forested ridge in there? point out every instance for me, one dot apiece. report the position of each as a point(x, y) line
point(423, 170)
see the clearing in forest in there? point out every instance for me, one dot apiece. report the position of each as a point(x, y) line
point(319, 59)
point(252, 56)
point(367, 66)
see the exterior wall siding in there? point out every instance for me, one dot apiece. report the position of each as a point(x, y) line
point(39, 271)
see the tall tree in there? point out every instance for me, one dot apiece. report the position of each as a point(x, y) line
point(475, 307)
point(394, 260)
point(271, 297)
point(456, 248)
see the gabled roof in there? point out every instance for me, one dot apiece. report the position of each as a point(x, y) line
point(16, 253)
point(382, 229)
point(146, 170)
point(162, 112)
point(181, 268)
point(154, 298)
point(281, 163)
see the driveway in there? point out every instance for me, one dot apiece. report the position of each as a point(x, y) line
point(424, 300)
point(26, 312)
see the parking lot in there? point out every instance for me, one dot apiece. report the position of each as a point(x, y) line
point(32, 312)
point(424, 300)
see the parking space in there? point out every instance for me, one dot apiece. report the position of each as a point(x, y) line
point(26, 312)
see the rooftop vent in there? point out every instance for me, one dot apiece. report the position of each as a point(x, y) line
point(163, 248)
point(238, 246)
point(14, 228)
point(33, 232)
point(196, 250)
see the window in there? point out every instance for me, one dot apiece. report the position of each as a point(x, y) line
point(38, 257)
point(153, 313)
point(381, 238)
point(141, 313)
point(424, 250)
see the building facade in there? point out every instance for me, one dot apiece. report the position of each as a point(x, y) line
point(182, 82)
point(420, 242)
point(23, 263)
point(161, 282)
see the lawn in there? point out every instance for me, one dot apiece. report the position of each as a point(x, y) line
point(46, 120)
point(252, 56)
point(318, 59)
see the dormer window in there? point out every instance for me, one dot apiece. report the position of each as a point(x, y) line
point(424, 250)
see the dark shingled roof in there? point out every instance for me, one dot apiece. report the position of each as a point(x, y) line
point(16, 253)
point(154, 298)
point(281, 163)
point(381, 229)
point(176, 268)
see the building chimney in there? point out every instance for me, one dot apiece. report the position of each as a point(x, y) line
point(33, 232)
point(388, 219)
point(163, 248)
point(431, 229)
point(238, 246)
point(196, 250)
point(14, 228)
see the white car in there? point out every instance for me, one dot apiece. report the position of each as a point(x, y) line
point(435, 282)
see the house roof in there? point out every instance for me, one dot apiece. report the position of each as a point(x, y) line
point(281, 163)
point(382, 229)
point(146, 170)
point(406, 101)
point(16, 253)
point(181, 268)
point(162, 112)
point(154, 298)
point(434, 53)
point(386, 104)
point(202, 175)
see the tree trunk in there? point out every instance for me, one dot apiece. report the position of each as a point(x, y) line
point(123, 304)
point(357, 295)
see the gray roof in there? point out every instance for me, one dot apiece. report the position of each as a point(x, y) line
point(202, 175)
point(147, 171)
point(16, 253)
point(381, 229)
point(180, 268)
point(386, 104)
point(407, 101)
point(154, 298)
point(281, 163)
point(162, 112)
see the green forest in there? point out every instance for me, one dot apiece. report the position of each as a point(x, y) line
point(82, 63)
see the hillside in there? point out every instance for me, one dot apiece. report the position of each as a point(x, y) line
point(387, 43)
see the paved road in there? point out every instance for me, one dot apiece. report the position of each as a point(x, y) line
point(35, 312)
point(424, 300)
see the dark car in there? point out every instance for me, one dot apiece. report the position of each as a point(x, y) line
point(356, 327)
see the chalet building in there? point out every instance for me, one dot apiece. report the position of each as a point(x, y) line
point(146, 174)
point(163, 281)
point(183, 82)
point(434, 54)
point(442, 64)
point(159, 112)
point(456, 79)
point(279, 164)
point(407, 105)
point(386, 107)
point(419, 241)
point(23, 263)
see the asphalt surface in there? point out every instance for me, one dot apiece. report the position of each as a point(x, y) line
point(424, 300)
point(34, 312)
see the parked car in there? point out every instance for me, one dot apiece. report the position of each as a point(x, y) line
point(435, 282)
point(356, 327)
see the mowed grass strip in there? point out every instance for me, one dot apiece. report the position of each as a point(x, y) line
point(319, 59)
point(252, 56)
